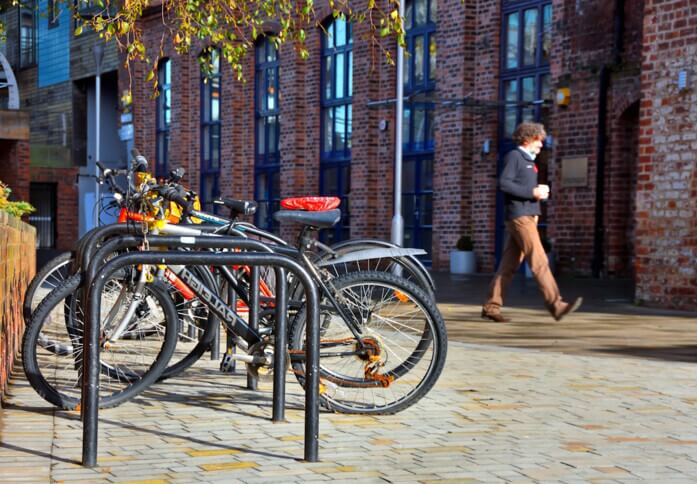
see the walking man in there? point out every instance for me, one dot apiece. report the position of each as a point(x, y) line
point(522, 195)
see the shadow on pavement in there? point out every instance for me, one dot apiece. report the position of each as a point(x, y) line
point(608, 323)
point(683, 353)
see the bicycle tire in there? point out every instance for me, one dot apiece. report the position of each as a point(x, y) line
point(50, 276)
point(410, 351)
point(60, 384)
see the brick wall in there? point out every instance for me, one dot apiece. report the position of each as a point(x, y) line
point(485, 123)
point(17, 267)
point(584, 43)
point(666, 202)
point(452, 185)
point(651, 144)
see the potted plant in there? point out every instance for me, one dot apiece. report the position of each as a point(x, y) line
point(547, 246)
point(462, 260)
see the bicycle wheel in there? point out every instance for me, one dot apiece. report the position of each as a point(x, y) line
point(404, 339)
point(196, 326)
point(52, 345)
point(51, 275)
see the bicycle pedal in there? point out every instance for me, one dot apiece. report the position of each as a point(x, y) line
point(227, 364)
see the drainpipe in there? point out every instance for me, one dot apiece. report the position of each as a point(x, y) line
point(601, 143)
point(601, 139)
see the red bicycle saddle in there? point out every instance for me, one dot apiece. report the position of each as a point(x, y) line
point(311, 204)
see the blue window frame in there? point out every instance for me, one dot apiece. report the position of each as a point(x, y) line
point(164, 116)
point(525, 90)
point(267, 167)
point(418, 124)
point(210, 129)
point(336, 124)
point(526, 34)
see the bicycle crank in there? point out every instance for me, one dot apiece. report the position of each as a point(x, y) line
point(262, 364)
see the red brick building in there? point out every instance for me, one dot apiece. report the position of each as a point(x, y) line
point(611, 80)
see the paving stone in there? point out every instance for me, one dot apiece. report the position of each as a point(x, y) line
point(496, 415)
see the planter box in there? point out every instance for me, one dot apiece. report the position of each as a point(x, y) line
point(463, 262)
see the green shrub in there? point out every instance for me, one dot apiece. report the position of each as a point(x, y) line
point(465, 243)
point(16, 209)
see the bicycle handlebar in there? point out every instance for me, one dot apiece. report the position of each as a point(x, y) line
point(109, 175)
point(176, 194)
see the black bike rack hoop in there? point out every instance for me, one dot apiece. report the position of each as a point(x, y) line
point(132, 241)
point(95, 285)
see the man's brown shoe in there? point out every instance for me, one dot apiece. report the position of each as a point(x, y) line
point(568, 309)
point(496, 317)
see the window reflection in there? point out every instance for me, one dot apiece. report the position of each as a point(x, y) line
point(164, 116)
point(546, 31)
point(530, 36)
point(512, 41)
point(432, 58)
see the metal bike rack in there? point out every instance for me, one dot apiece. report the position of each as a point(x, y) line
point(96, 279)
point(93, 259)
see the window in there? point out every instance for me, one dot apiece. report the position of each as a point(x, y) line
point(420, 72)
point(164, 116)
point(526, 47)
point(27, 34)
point(53, 11)
point(210, 129)
point(337, 92)
point(420, 62)
point(267, 166)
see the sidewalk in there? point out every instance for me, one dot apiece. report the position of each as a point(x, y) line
point(568, 413)
point(607, 323)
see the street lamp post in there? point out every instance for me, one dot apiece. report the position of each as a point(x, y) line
point(98, 56)
point(397, 219)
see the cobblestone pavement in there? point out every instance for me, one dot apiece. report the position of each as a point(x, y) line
point(498, 414)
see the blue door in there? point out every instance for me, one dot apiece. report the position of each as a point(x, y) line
point(417, 202)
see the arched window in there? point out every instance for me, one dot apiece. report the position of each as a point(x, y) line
point(337, 92)
point(417, 129)
point(164, 116)
point(210, 129)
point(267, 186)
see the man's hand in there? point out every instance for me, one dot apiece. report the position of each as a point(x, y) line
point(540, 192)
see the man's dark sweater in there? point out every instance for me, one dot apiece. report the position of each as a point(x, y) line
point(517, 181)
